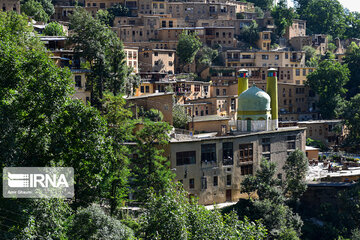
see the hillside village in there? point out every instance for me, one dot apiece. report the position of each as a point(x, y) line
point(242, 95)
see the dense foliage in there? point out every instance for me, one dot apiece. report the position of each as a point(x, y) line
point(172, 215)
point(103, 51)
point(188, 46)
point(328, 81)
point(54, 29)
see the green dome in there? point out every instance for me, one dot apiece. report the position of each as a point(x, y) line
point(254, 99)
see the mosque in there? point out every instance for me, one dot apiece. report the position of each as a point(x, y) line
point(257, 109)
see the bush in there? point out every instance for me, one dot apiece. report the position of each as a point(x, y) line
point(93, 223)
point(54, 29)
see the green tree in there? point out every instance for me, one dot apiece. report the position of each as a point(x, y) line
point(250, 34)
point(93, 223)
point(204, 59)
point(103, 50)
point(150, 169)
point(352, 24)
point(301, 5)
point(172, 216)
point(118, 10)
point(260, 12)
point(283, 17)
point(105, 17)
point(180, 118)
point(120, 126)
point(54, 29)
point(34, 9)
point(47, 6)
point(328, 81)
point(352, 59)
point(311, 58)
point(40, 124)
point(352, 121)
point(331, 47)
point(296, 167)
point(277, 218)
point(324, 16)
point(187, 48)
point(263, 4)
point(47, 219)
point(264, 183)
point(132, 82)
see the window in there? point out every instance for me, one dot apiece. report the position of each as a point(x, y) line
point(203, 183)
point(77, 81)
point(156, 54)
point(245, 152)
point(265, 57)
point(208, 152)
point(311, 70)
point(291, 145)
point(170, 63)
point(247, 170)
point(215, 182)
point(266, 156)
point(304, 72)
point(228, 180)
point(228, 153)
point(142, 89)
point(217, 92)
point(265, 144)
point(291, 138)
point(163, 24)
point(102, 5)
point(147, 89)
point(297, 72)
point(277, 57)
point(191, 183)
point(197, 88)
point(185, 158)
point(286, 55)
point(233, 104)
point(224, 92)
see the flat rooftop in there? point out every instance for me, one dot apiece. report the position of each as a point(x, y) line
point(178, 138)
point(319, 172)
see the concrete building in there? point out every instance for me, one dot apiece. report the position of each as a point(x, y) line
point(160, 101)
point(330, 132)
point(132, 58)
point(81, 92)
point(264, 41)
point(157, 60)
point(212, 168)
point(260, 58)
point(209, 124)
point(10, 5)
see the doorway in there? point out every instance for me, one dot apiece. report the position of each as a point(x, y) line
point(228, 195)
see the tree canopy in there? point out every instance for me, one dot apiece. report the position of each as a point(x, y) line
point(34, 9)
point(187, 48)
point(54, 29)
point(263, 4)
point(103, 50)
point(283, 17)
point(324, 16)
point(328, 80)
